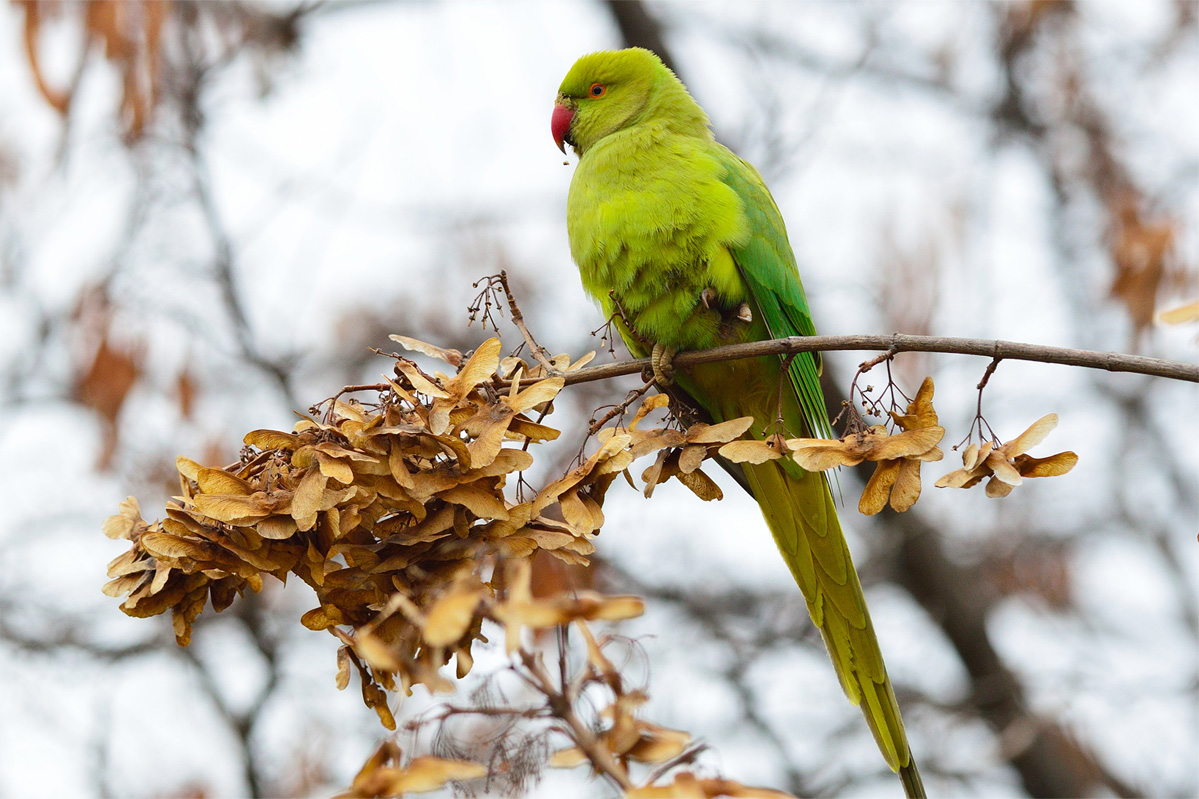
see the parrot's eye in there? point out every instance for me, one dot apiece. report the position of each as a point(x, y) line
point(598, 90)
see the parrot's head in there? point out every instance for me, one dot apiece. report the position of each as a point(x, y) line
point(607, 91)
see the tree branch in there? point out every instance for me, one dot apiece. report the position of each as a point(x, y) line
point(639, 28)
point(901, 342)
point(602, 759)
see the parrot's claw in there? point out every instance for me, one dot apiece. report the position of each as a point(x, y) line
point(662, 361)
point(744, 313)
point(708, 297)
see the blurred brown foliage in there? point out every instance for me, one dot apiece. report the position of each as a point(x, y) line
point(127, 34)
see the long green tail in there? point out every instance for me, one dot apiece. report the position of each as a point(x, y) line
point(800, 512)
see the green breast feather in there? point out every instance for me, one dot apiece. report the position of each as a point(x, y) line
point(652, 230)
point(651, 233)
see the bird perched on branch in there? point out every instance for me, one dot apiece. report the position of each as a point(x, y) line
point(684, 248)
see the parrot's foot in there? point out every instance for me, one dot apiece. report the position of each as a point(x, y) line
point(662, 361)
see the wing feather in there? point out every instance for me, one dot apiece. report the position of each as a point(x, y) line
point(768, 267)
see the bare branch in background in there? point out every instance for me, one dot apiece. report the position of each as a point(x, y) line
point(639, 28)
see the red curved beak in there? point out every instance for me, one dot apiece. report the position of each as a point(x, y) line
point(560, 125)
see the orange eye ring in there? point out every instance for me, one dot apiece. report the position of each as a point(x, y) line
point(598, 90)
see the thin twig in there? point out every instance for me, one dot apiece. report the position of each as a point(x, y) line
point(892, 344)
point(618, 410)
point(685, 757)
point(601, 759)
point(518, 319)
point(901, 342)
point(979, 420)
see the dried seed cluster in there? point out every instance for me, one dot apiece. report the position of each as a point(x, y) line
point(396, 515)
point(896, 478)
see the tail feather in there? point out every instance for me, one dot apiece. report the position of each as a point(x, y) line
point(800, 513)
point(913, 785)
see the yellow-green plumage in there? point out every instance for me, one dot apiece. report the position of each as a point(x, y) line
point(681, 239)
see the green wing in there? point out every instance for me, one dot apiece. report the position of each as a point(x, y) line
point(768, 267)
point(799, 508)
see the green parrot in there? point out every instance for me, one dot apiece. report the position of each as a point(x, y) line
point(684, 248)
